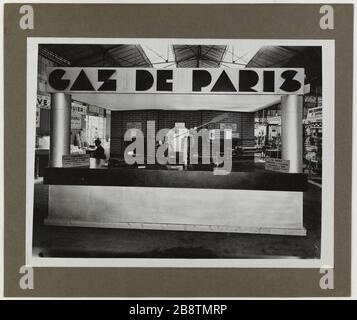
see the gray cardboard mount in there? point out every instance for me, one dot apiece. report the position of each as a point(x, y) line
point(230, 21)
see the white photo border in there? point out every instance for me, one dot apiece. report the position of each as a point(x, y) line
point(328, 163)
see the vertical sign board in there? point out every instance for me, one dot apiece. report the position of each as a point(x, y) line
point(76, 121)
point(279, 165)
point(78, 110)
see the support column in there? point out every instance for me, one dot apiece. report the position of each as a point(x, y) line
point(291, 131)
point(60, 128)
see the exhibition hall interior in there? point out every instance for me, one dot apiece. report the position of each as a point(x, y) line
point(90, 201)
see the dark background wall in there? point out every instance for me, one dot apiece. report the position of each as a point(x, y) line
point(166, 119)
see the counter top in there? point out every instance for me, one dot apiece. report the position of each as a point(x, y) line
point(254, 180)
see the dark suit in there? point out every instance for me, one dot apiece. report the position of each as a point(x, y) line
point(99, 153)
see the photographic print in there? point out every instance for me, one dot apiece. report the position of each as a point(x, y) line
point(180, 151)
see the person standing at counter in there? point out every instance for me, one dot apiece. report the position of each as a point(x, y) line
point(99, 152)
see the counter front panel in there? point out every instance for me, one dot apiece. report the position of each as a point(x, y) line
point(248, 202)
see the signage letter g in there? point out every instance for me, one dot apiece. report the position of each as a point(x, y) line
point(55, 80)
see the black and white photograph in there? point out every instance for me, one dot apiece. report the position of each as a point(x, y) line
point(180, 152)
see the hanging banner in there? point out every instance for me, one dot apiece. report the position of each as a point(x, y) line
point(177, 81)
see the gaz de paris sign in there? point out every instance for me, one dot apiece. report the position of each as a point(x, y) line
point(176, 81)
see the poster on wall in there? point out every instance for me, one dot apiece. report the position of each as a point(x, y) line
point(76, 121)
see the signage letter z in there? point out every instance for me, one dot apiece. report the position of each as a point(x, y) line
point(108, 84)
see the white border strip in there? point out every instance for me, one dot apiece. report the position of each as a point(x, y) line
point(328, 153)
